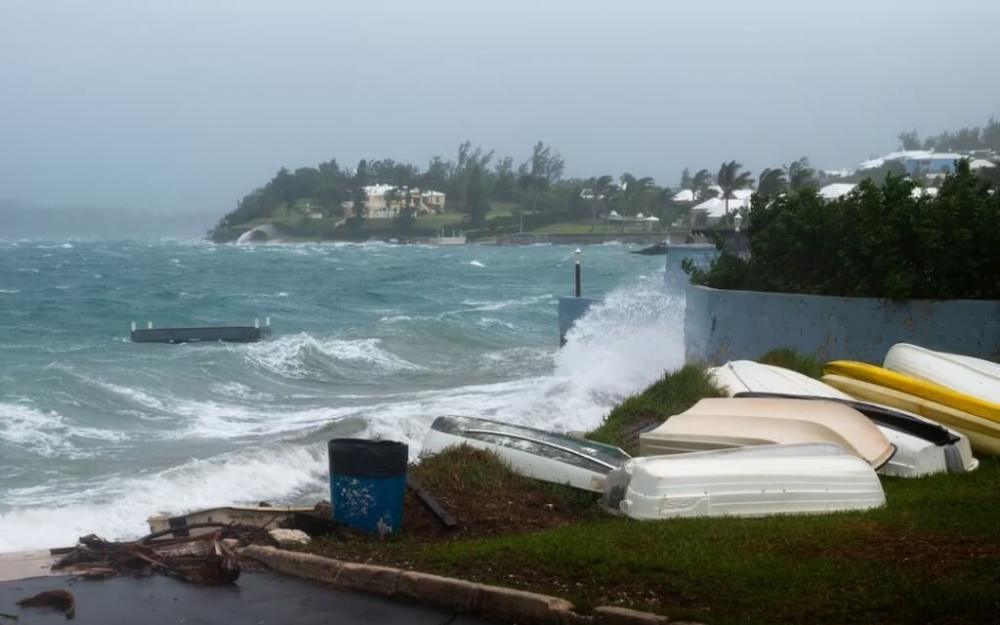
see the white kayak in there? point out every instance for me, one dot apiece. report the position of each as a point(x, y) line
point(964, 374)
point(537, 454)
point(919, 442)
point(741, 376)
point(748, 482)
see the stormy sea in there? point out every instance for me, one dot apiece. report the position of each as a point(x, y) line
point(98, 433)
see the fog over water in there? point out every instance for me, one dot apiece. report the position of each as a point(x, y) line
point(180, 108)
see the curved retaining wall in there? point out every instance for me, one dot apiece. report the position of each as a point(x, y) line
point(730, 325)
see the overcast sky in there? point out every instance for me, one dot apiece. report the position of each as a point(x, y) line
point(186, 105)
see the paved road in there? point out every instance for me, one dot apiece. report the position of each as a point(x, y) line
point(257, 599)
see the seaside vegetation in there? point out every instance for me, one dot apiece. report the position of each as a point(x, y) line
point(490, 196)
point(886, 241)
point(932, 555)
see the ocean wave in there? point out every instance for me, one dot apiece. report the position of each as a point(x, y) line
point(302, 356)
point(47, 434)
point(117, 507)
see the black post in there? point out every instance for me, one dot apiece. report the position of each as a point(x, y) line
point(579, 289)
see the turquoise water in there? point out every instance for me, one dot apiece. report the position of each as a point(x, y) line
point(97, 433)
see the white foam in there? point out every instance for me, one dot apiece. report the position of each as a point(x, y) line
point(299, 356)
point(616, 350)
point(476, 263)
point(48, 434)
point(117, 507)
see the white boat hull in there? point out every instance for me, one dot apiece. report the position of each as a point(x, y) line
point(914, 456)
point(964, 374)
point(532, 453)
point(796, 479)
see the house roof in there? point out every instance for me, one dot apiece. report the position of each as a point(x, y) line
point(684, 195)
point(836, 190)
point(716, 207)
point(981, 163)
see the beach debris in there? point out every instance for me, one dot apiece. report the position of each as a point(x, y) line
point(289, 538)
point(61, 600)
point(432, 505)
point(207, 559)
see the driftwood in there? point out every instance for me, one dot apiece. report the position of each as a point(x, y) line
point(61, 600)
point(202, 559)
point(432, 504)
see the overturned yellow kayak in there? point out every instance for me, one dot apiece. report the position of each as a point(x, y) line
point(983, 434)
point(912, 386)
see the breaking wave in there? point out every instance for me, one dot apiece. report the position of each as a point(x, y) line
point(304, 357)
point(119, 506)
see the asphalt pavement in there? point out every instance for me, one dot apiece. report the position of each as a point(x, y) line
point(257, 599)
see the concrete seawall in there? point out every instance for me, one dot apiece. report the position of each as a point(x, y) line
point(728, 325)
point(572, 309)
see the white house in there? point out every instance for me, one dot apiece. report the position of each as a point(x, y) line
point(427, 202)
point(715, 208)
point(836, 190)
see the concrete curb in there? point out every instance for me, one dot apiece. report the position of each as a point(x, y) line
point(455, 594)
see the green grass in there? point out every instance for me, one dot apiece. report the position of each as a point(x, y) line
point(577, 227)
point(675, 392)
point(791, 359)
point(931, 556)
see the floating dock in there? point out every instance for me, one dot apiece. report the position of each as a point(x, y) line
point(201, 334)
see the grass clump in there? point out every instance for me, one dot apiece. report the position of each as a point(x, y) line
point(932, 555)
point(789, 358)
point(674, 393)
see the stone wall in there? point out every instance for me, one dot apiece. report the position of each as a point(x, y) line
point(729, 325)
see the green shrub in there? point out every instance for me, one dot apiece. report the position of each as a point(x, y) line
point(789, 358)
point(878, 241)
point(675, 392)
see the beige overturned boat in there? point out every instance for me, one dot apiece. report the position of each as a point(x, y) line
point(207, 521)
point(728, 423)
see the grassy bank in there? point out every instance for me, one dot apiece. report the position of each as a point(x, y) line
point(932, 555)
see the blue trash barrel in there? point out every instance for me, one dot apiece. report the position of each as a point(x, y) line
point(368, 483)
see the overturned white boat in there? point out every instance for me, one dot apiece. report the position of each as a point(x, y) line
point(922, 446)
point(727, 423)
point(964, 374)
point(209, 520)
point(538, 454)
point(752, 481)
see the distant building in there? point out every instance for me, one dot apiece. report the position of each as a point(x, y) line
point(931, 163)
point(714, 209)
point(836, 191)
point(377, 207)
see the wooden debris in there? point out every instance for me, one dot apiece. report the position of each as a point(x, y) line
point(204, 559)
point(61, 600)
point(432, 504)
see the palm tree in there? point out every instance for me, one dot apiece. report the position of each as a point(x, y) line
point(633, 191)
point(701, 184)
point(730, 179)
point(600, 189)
point(771, 183)
point(800, 175)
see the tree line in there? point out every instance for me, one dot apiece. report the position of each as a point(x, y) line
point(477, 179)
point(965, 140)
point(880, 240)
